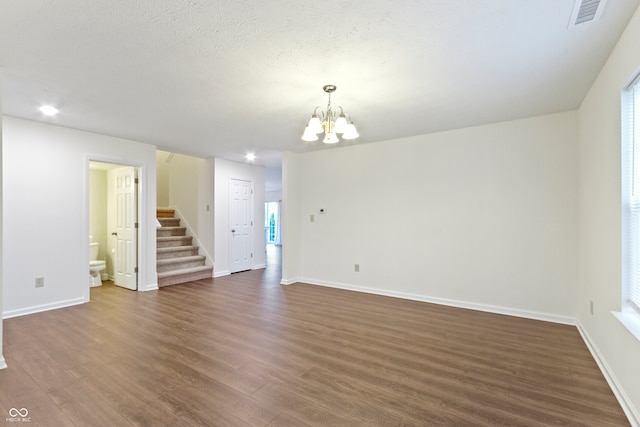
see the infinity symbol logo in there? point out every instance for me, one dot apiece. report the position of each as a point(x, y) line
point(13, 412)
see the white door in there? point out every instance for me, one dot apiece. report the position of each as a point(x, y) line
point(241, 224)
point(126, 228)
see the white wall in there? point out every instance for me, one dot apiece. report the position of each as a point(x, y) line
point(190, 182)
point(46, 212)
point(273, 196)
point(223, 171)
point(162, 179)
point(3, 364)
point(600, 220)
point(98, 214)
point(290, 219)
point(483, 217)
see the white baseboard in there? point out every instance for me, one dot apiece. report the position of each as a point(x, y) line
point(448, 302)
point(221, 273)
point(629, 409)
point(149, 287)
point(3, 363)
point(227, 272)
point(41, 308)
point(288, 281)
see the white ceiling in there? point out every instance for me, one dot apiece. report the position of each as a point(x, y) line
point(220, 78)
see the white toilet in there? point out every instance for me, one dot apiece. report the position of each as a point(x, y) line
point(96, 267)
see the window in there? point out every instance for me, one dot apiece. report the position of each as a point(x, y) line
point(630, 314)
point(272, 228)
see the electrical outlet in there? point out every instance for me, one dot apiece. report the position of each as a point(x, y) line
point(591, 307)
point(357, 268)
point(39, 282)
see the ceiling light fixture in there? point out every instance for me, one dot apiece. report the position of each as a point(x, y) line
point(330, 122)
point(250, 157)
point(48, 110)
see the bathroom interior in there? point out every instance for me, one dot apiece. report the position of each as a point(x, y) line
point(102, 245)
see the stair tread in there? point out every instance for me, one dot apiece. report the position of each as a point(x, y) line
point(177, 248)
point(171, 228)
point(181, 271)
point(180, 259)
point(173, 238)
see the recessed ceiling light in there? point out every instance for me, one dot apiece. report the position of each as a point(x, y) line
point(250, 157)
point(48, 110)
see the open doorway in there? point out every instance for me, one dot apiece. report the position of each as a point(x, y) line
point(272, 223)
point(272, 235)
point(113, 224)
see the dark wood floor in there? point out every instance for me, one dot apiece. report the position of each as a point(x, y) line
point(243, 350)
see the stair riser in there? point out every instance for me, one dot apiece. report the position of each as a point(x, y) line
point(176, 254)
point(165, 213)
point(186, 241)
point(184, 278)
point(168, 232)
point(169, 222)
point(177, 265)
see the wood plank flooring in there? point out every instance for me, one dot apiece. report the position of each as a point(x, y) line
point(242, 350)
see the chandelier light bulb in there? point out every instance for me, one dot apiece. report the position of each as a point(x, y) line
point(350, 132)
point(331, 138)
point(314, 124)
point(309, 135)
point(341, 124)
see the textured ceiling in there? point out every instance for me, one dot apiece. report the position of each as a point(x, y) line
point(219, 78)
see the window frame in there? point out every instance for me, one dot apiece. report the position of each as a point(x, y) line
point(629, 314)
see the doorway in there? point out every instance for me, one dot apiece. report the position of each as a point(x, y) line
point(272, 223)
point(113, 220)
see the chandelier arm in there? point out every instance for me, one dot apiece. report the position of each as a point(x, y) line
point(321, 115)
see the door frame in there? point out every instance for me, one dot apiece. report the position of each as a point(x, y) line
point(140, 209)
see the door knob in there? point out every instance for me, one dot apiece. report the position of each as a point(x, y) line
point(114, 234)
point(233, 231)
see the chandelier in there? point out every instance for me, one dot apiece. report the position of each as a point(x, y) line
point(330, 122)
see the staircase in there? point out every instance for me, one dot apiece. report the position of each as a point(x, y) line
point(177, 259)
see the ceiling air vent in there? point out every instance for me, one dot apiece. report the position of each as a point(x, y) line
point(586, 10)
